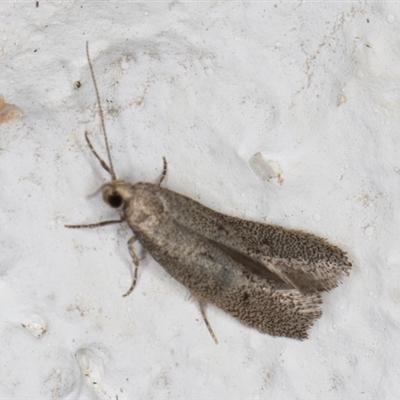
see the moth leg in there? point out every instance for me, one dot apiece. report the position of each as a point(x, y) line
point(95, 225)
point(202, 305)
point(164, 171)
point(135, 260)
point(189, 296)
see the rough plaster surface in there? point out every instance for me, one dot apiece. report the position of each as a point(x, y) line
point(313, 87)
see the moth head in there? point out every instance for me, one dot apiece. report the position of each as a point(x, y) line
point(116, 193)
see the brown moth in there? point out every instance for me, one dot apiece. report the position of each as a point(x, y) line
point(266, 276)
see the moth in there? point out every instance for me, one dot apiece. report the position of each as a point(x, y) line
point(266, 276)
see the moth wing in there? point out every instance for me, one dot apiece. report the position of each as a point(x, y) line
point(273, 269)
point(213, 275)
point(302, 260)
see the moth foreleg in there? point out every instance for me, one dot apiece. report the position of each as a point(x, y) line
point(95, 225)
point(136, 261)
point(202, 305)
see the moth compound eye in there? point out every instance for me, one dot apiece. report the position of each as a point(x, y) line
point(113, 194)
point(115, 200)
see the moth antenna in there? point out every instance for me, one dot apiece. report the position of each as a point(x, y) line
point(109, 169)
point(101, 161)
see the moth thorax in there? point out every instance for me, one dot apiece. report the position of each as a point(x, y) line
point(145, 209)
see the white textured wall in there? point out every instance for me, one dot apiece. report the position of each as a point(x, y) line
point(314, 87)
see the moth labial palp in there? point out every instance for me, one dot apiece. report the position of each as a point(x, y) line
point(266, 276)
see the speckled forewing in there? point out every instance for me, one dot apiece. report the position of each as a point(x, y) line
point(210, 274)
point(303, 260)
